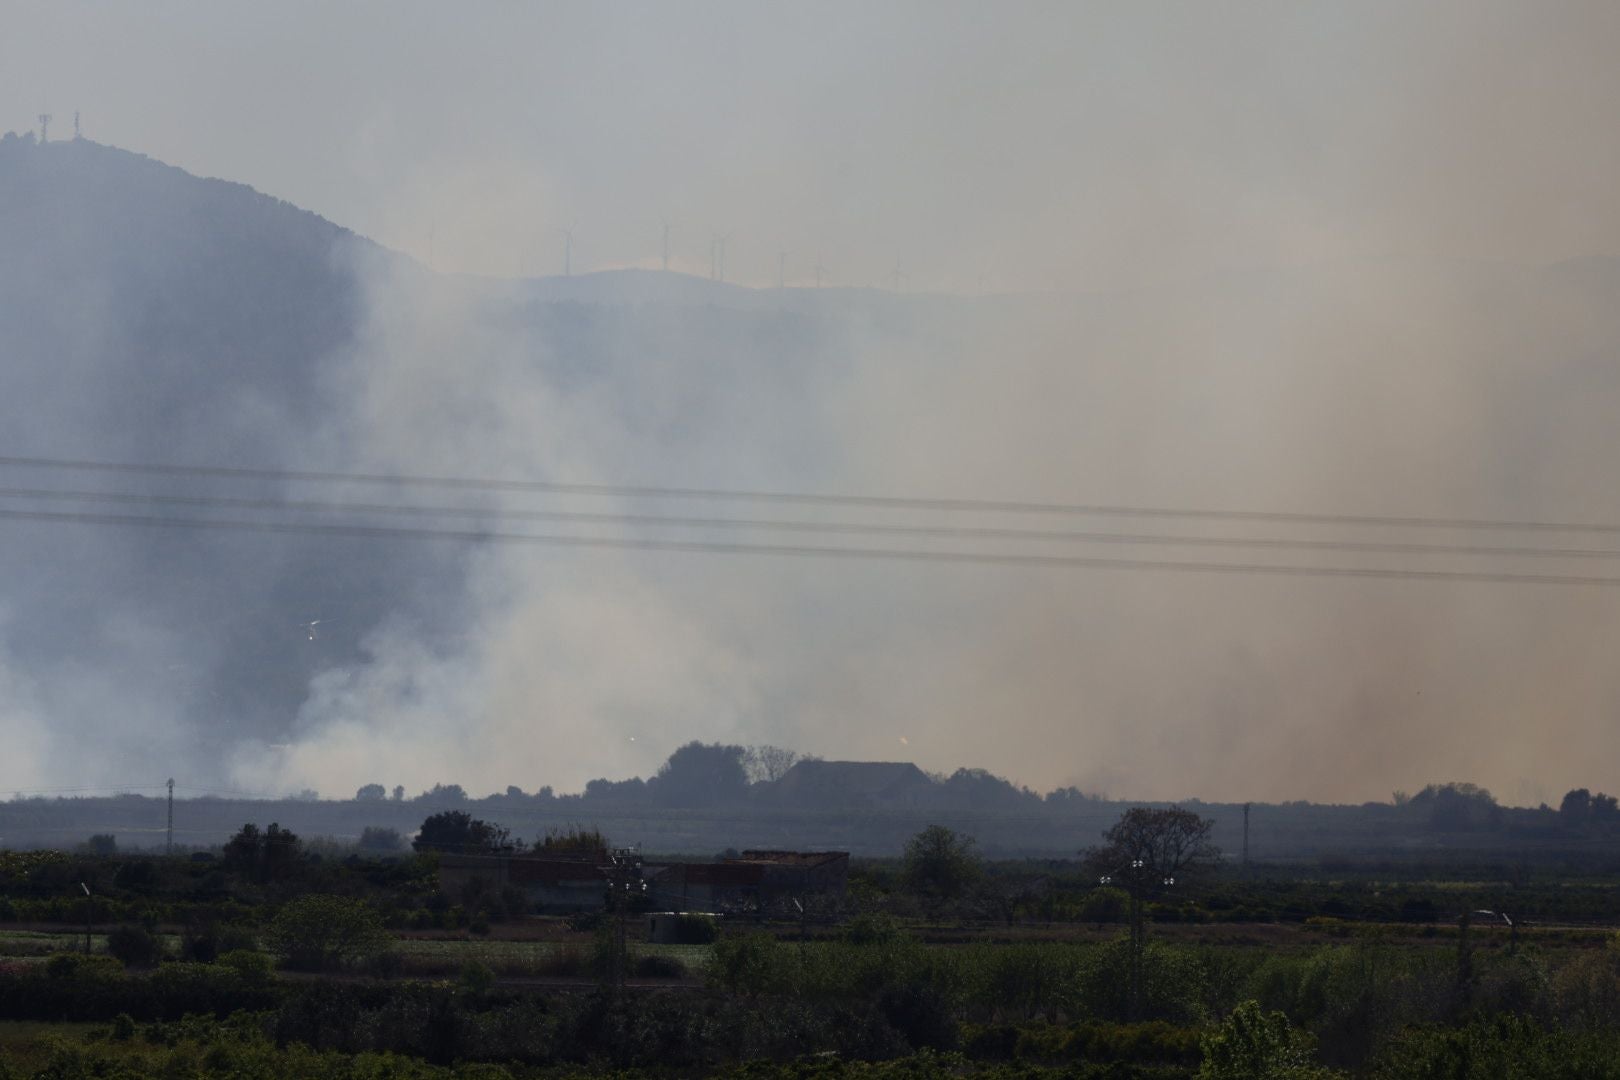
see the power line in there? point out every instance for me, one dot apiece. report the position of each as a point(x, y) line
point(808, 498)
point(788, 550)
point(957, 532)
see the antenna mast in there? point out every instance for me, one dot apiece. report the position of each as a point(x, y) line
point(44, 127)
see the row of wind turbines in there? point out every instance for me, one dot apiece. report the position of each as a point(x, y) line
point(717, 256)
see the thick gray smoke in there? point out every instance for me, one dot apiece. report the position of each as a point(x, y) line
point(1310, 258)
point(1286, 391)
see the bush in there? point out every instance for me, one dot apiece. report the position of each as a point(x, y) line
point(1252, 1045)
point(694, 929)
point(921, 1014)
point(476, 978)
point(135, 946)
point(326, 933)
point(655, 966)
point(745, 965)
point(255, 968)
point(871, 930)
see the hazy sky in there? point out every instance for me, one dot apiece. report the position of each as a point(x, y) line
point(977, 146)
point(1321, 225)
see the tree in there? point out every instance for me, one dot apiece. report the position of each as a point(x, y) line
point(1576, 807)
point(1167, 842)
point(766, 764)
point(324, 933)
point(457, 830)
point(102, 844)
point(267, 856)
point(371, 793)
point(399, 792)
point(939, 863)
point(701, 775)
point(1145, 850)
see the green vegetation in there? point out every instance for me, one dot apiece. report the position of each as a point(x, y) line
point(292, 959)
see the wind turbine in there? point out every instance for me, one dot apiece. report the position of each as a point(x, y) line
point(313, 627)
point(568, 249)
point(717, 256)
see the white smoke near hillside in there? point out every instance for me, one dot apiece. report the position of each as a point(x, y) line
point(569, 664)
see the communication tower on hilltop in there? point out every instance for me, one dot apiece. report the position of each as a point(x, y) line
point(44, 127)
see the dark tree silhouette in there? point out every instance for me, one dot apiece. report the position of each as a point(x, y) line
point(701, 774)
point(459, 831)
point(268, 856)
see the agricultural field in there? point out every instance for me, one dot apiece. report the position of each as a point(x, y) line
point(938, 963)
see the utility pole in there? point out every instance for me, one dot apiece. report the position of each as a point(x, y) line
point(624, 878)
point(1135, 877)
point(1246, 839)
point(89, 915)
point(168, 841)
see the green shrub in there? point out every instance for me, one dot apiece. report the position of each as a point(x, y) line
point(871, 930)
point(326, 933)
point(747, 964)
point(476, 978)
point(656, 966)
point(135, 946)
point(255, 968)
point(1253, 1045)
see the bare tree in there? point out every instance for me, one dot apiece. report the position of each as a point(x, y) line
point(769, 763)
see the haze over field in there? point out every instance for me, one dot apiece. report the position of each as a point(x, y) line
point(1310, 259)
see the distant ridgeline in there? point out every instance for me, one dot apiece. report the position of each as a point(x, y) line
point(703, 801)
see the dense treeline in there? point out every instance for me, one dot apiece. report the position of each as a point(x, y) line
point(710, 797)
